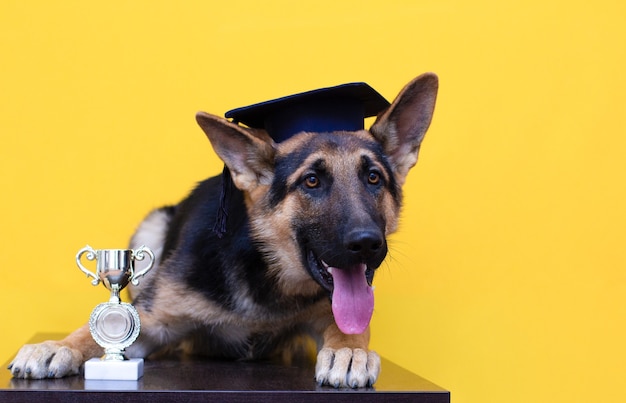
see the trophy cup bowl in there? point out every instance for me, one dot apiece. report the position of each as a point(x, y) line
point(114, 325)
point(115, 267)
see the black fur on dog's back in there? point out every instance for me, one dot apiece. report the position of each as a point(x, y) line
point(219, 268)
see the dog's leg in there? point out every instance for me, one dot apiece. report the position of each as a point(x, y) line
point(345, 360)
point(55, 359)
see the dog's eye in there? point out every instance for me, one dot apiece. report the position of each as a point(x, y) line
point(312, 181)
point(373, 178)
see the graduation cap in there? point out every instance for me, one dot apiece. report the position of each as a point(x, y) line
point(343, 107)
point(340, 108)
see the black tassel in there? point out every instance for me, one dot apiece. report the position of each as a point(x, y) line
point(222, 213)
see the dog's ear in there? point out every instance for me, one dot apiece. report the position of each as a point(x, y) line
point(402, 126)
point(248, 154)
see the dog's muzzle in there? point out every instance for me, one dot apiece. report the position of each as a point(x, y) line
point(348, 278)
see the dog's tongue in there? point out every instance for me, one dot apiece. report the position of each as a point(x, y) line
point(353, 299)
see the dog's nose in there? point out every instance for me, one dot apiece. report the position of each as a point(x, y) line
point(364, 243)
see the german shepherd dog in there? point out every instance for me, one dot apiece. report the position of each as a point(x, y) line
point(307, 226)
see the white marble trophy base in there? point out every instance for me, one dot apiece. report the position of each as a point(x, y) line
point(127, 370)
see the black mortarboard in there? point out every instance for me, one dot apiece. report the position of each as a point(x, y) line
point(340, 108)
point(343, 107)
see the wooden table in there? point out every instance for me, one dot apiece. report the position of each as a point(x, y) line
point(201, 380)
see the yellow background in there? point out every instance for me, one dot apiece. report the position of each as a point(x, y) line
point(507, 279)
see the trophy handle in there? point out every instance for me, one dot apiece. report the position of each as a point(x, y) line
point(91, 255)
point(139, 255)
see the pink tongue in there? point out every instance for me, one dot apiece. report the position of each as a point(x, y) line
point(353, 299)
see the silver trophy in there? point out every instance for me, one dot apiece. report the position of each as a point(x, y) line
point(114, 325)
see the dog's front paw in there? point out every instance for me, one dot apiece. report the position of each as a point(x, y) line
point(346, 367)
point(45, 360)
